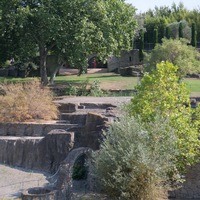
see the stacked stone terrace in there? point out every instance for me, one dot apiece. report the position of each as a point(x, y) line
point(45, 145)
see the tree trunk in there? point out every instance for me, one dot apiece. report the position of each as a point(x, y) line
point(53, 75)
point(43, 66)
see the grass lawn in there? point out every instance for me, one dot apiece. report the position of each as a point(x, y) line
point(194, 86)
point(108, 81)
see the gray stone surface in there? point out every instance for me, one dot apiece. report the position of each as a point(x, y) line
point(13, 180)
point(43, 153)
point(32, 128)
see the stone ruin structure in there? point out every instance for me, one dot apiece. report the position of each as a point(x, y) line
point(56, 146)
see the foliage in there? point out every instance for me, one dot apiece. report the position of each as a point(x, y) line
point(155, 36)
point(95, 89)
point(194, 35)
point(152, 23)
point(167, 33)
point(141, 45)
point(177, 52)
point(162, 92)
point(25, 102)
point(180, 30)
point(85, 89)
point(72, 29)
point(194, 17)
point(171, 16)
point(135, 158)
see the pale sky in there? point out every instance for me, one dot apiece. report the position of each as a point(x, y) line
point(144, 5)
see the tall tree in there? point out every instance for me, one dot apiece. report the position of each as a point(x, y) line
point(180, 30)
point(141, 45)
point(155, 36)
point(161, 92)
point(194, 35)
point(167, 32)
point(76, 28)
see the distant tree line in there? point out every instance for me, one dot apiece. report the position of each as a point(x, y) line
point(170, 22)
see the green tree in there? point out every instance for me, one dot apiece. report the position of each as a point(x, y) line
point(167, 33)
point(135, 158)
point(194, 35)
point(177, 52)
point(162, 93)
point(180, 30)
point(155, 37)
point(194, 17)
point(76, 28)
point(141, 45)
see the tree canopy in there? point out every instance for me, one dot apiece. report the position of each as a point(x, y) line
point(161, 93)
point(162, 17)
point(177, 52)
point(76, 29)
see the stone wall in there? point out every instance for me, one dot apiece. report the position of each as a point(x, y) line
point(43, 153)
point(191, 187)
point(45, 146)
point(126, 59)
point(31, 129)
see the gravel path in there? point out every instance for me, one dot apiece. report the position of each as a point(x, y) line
point(98, 100)
point(14, 180)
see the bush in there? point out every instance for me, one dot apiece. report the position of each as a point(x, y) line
point(187, 58)
point(162, 92)
point(95, 89)
point(135, 159)
point(86, 89)
point(26, 101)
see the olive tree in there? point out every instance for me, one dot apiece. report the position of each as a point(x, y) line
point(135, 158)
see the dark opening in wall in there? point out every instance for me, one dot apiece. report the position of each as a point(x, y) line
point(80, 170)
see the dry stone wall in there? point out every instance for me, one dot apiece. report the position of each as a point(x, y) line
point(126, 59)
point(43, 153)
point(31, 129)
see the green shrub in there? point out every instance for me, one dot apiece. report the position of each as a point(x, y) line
point(86, 89)
point(26, 101)
point(135, 159)
point(95, 89)
point(187, 58)
point(162, 92)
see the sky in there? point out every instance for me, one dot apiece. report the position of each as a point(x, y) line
point(144, 5)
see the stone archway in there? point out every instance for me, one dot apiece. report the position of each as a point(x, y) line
point(65, 180)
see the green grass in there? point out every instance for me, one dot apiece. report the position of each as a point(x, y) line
point(14, 80)
point(193, 84)
point(108, 81)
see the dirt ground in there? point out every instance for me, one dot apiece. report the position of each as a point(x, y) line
point(14, 180)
